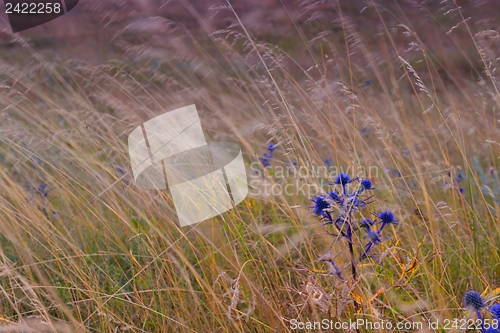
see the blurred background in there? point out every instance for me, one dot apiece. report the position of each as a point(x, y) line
point(404, 90)
point(87, 31)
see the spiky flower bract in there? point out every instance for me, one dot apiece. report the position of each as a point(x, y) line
point(336, 197)
point(374, 237)
point(366, 223)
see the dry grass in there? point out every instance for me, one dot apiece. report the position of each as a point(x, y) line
point(91, 252)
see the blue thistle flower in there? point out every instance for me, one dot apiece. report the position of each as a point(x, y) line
point(344, 223)
point(319, 206)
point(271, 147)
point(495, 311)
point(265, 162)
point(473, 299)
point(387, 217)
point(456, 181)
point(366, 184)
point(266, 159)
point(342, 179)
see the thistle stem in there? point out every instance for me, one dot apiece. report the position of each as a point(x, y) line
point(351, 248)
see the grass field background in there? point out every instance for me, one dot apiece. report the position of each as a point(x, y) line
point(404, 93)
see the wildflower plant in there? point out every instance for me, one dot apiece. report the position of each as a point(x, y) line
point(474, 302)
point(340, 212)
point(265, 160)
point(489, 184)
point(42, 191)
point(458, 180)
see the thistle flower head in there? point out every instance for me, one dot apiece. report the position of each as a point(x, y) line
point(342, 179)
point(266, 159)
point(265, 162)
point(366, 184)
point(473, 300)
point(495, 311)
point(387, 217)
point(319, 206)
point(271, 147)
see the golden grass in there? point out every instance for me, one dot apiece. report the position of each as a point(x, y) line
point(98, 254)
